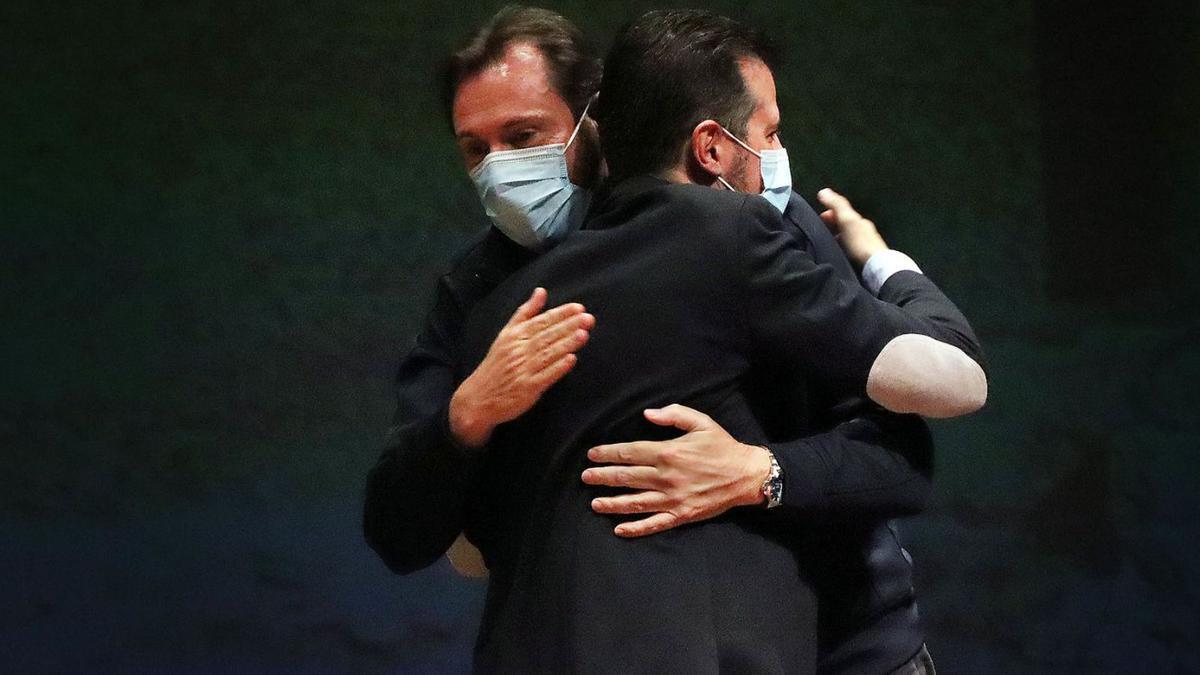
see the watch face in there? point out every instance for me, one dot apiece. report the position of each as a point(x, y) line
point(773, 487)
point(775, 498)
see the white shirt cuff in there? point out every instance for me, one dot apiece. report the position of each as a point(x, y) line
point(881, 266)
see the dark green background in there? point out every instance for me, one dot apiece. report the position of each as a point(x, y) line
point(220, 224)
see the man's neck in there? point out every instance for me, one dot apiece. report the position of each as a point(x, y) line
point(682, 174)
point(676, 174)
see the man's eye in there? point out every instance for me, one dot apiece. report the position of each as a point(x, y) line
point(473, 155)
point(524, 138)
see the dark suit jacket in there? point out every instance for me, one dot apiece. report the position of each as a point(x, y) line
point(868, 620)
point(869, 467)
point(692, 289)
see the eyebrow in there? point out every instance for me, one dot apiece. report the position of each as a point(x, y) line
point(527, 119)
point(531, 118)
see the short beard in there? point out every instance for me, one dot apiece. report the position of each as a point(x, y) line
point(587, 159)
point(737, 175)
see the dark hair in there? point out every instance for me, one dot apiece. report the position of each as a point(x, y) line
point(573, 69)
point(668, 71)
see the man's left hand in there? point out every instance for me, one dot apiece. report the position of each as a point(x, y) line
point(858, 236)
point(699, 475)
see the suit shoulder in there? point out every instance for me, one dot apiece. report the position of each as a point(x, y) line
point(704, 199)
point(472, 253)
point(800, 212)
point(483, 263)
point(803, 219)
point(720, 214)
point(490, 256)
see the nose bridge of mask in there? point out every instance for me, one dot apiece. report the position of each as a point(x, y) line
point(523, 164)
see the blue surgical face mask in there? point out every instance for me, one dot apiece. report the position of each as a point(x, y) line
point(776, 173)
point(528, 194)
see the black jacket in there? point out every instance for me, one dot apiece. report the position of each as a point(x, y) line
point(867, 615)
point(721, 292)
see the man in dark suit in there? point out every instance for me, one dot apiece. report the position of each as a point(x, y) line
point(869, 618)
point(459, 463)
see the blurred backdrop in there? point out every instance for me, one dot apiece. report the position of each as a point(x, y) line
point(220, 224)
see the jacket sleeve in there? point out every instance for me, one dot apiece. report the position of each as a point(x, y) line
point(416, 494)
point(877, 465)
point(873, 464)
point(796, 312)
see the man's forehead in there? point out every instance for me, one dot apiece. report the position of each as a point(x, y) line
point(520, 57)
point(752, 66)
point(520, 71)
point(517, 85)
point(761, 84)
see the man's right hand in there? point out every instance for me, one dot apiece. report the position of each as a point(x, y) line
point(534, 350)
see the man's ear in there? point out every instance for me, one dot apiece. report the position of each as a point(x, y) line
point(709, 152)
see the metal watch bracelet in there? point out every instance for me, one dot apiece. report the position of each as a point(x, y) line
point(772, 487)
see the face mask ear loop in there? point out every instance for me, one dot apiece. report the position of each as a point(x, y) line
point(742, 143)
point(739, 142)
point(578, 124)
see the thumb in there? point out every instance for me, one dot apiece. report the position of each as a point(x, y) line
point(678, 416)
point(530, 308)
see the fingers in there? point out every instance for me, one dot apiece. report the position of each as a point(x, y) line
point(551, 317)
point(568, 335)
point(644, 453)
point(530, 308)
point(638, 502)
point(530, 313)
point(842, 210)
point(678, 416)
point(552, 354)
point(831, 222)
point(554, 372)
point(652, 525)
point(638, 477)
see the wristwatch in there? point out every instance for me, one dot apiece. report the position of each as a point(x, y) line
point(772, 487)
